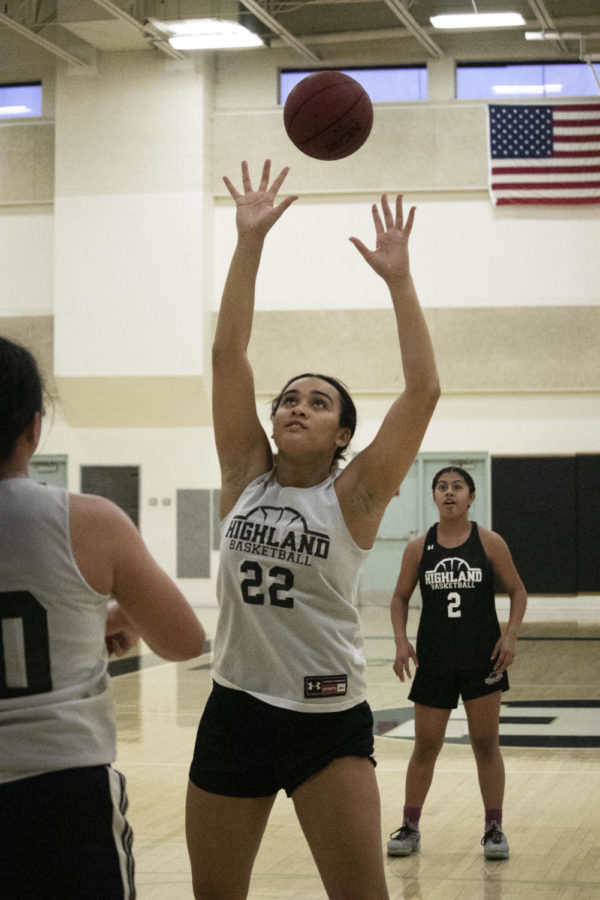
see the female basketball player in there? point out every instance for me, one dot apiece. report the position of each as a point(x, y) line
point(62, 556)
point(288, 705)
point(460, 651)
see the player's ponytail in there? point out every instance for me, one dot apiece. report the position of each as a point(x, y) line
point(21, 394)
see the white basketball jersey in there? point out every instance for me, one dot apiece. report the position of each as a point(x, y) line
point(55, 705)
point(289, 631)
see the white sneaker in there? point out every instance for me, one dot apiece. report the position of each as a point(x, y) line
point(495, 845)
point(403, 842)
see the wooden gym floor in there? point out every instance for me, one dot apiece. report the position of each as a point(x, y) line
point(550, 733)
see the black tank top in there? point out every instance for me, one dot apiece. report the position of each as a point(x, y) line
point(459, 626)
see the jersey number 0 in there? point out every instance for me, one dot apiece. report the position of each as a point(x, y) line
point(24, 646)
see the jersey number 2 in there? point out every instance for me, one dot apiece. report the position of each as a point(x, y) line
point(454, 605)
point(24, 646)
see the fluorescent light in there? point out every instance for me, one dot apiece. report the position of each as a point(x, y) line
point(207, 34)
point(554, 36)
point(477, 20)
point(15, 111)
point(214, 41)
point(541, 89)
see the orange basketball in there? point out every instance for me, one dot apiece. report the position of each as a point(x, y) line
point(328, 115)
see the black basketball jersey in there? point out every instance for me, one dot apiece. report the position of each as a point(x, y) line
point(459, 626)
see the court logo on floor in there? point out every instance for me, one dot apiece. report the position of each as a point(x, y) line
point(523, 723)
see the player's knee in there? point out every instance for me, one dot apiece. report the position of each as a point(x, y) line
point(485, 746)
point(426, 750)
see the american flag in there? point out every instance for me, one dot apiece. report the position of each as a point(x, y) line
point(545, 154)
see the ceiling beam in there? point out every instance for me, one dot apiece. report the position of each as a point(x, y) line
point(156, 41)
point(261, 13)
point(417, 31)
point(41, 41)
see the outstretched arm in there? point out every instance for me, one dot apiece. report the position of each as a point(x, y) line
point(373, 477)
point(242, 445)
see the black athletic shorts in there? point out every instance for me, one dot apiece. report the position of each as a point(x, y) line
point(65, 837)
point(442, 689)
point(248, 748)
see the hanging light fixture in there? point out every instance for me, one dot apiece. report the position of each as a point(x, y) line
point(207, 34)
point(477, 19)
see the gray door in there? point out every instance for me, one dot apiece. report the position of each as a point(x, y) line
point(399, 526)
point(193, 533)
point(49, 470)
point(117, 483)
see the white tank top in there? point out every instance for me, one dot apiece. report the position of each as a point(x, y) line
point(289, 631)
point(55, 705)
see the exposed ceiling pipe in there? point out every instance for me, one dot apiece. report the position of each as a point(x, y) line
point(288, 38)
point(348, 37)
point(145, 30)
point(545, 19)
point(42, 42)
point(413, 26)
point(590, 61)
point(569, 36)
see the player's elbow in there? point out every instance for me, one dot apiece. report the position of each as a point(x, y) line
point(197, 643)
point(187, 644)
point(432, 389)
point(425, 392)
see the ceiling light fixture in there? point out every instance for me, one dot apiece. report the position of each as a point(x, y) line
point(477, 20)
point(534, 89)
point(556, 36)
point(207, 34)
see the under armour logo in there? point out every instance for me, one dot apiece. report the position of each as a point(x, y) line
point(430, 546)
point(325, 685)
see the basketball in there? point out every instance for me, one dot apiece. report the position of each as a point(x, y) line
point(328, 115)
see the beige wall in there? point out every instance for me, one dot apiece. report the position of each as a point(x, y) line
point(27, 170)
point(115, 234)
point(129, 242)
point(478, 351)
point(430, 147)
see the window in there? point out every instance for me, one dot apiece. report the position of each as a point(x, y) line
point(544, 80)
point(20, 101)
point(387, 84)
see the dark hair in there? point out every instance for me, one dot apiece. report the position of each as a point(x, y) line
point(21, 394)
point(464, 475)
point(347, 413)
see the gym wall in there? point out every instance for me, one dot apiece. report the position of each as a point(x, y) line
point(115, 234)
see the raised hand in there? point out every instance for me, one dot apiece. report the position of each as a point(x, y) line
point(390, 256)
point(256, 210)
